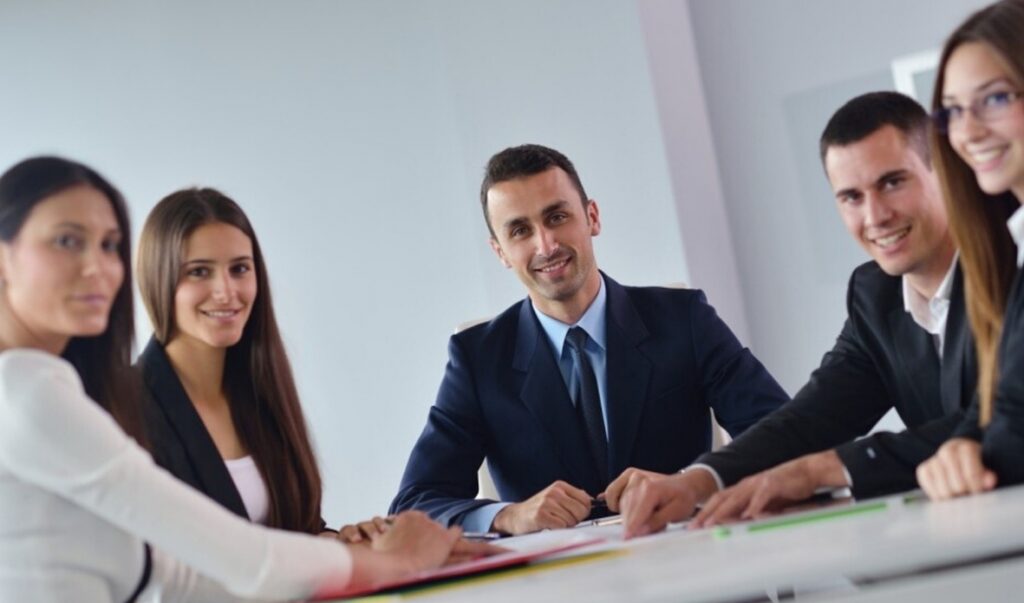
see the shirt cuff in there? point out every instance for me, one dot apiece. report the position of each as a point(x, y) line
point(481, 518)
point(709, 469)
point(846, 474)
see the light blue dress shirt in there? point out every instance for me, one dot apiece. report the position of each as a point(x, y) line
point(594, 323)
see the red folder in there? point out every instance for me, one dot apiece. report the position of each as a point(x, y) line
point(469, 568)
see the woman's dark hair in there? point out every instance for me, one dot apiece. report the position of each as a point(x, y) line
point(258, 379)
point(104, 361)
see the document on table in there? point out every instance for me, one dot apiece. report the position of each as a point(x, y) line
point(521, 554)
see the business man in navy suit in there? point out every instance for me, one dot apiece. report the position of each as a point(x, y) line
point(582, 379)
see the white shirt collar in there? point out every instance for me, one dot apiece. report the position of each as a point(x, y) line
point(1016, 226)
point(930, 314)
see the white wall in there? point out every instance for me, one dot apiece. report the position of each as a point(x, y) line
point(354, 133)
point(772, 74)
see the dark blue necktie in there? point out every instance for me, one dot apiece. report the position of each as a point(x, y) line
point(588, 402)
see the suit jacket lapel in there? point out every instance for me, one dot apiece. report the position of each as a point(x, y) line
point(629, 373)
point(954, 350)
point(916, 352)
point(1012, 314)
point(169, 394)
point(544, 393)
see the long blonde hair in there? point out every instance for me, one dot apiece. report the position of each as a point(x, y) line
point(978, 220)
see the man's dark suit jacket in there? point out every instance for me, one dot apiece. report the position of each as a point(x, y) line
point(670, 359)
point(179, 440)
point(1003, 438)
point(881, 360)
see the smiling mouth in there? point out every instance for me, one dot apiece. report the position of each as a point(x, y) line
point(219, 313)
point(554, 266)
point(985, 158)
point(892, 238)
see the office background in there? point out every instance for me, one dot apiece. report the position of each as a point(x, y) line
point(354, 133)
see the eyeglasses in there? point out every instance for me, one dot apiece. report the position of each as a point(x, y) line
point(987, 108)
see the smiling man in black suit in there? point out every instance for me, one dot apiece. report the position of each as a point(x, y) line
point(905, 345)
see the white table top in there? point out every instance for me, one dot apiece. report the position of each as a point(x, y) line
point(706, 565)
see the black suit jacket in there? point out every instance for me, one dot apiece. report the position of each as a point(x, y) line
point(179, 439)
point(1003, 439)
point(881, 360)
point(670, 359)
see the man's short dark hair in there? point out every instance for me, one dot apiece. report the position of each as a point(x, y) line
point(521, 162)
point(865, 114)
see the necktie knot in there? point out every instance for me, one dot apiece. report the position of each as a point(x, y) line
point(577, 339)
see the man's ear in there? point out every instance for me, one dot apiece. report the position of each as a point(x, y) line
point(4, 251)
point(499, 252)
point(594, 218)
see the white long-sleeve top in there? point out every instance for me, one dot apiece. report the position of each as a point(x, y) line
point(78, 497)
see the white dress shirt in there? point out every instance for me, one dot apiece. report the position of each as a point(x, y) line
point(930, 314)
point(78, 498)
point(1016, 226)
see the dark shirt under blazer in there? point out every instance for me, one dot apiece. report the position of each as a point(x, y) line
point(881, 360)
point(179, 440)
point(670, 360)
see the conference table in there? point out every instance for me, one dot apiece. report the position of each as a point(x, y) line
point(900, 548)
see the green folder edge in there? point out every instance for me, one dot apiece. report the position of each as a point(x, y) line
point(812, 517)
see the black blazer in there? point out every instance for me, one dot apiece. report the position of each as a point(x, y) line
point(881, 360)
point(179, 439)
point(1003, 439)
point(670, 360)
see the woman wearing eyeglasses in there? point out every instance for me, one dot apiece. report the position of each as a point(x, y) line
point(979, 151)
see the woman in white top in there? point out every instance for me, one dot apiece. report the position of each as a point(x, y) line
point(78, 497)
point(224, 414)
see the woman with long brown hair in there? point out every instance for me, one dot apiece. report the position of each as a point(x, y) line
point(225, 416)
point(84, 513)
point(979, 150)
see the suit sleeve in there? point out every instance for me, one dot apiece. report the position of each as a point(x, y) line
point(843, 399)
point(440, 477)
point(1003, 442)
point(885, 462)
point(736, 385)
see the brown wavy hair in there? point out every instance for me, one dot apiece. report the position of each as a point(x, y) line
point(103, 362)
point(978, 220)
point(258, 379)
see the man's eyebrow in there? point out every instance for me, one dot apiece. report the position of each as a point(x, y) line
point(847, 192)
point(512, 222)
point(557, 205)
point(891, 174)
